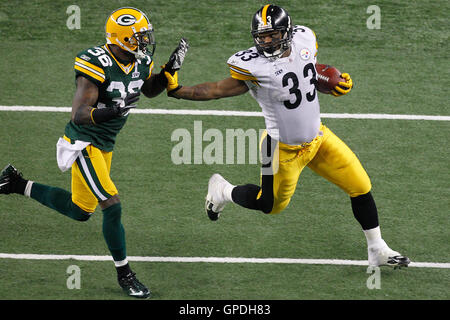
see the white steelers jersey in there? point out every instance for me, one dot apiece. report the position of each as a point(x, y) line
point(284, 88)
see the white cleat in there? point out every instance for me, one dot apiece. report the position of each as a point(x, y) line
point(382, 255)
point(215, 199)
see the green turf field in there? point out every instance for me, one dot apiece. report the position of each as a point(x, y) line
point(401, 68)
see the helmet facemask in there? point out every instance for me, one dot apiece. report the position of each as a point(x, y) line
point(142, 40)
point(281, 42)
point(275, 21)
point(138, 43)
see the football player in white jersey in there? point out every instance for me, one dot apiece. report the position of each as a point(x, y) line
point(280, 73)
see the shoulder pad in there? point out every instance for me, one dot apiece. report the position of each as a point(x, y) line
point(306, 36)
point(91, 63)
point(304, 32)
point(241, 64)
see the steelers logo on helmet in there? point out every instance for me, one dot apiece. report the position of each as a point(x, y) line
point(272, 31)
point(131, 30)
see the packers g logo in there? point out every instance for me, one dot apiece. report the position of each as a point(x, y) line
point(126, 20)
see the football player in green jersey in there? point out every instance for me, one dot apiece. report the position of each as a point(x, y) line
point(109, 80)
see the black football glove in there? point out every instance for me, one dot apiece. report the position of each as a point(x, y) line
point(129, 103)
point(177, 57)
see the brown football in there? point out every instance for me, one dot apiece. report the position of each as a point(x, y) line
point(328, 77)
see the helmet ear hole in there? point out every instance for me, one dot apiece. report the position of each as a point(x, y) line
point(126, 39)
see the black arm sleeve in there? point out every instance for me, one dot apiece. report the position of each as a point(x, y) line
point(103, 115)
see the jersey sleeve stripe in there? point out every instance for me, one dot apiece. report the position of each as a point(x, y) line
point(242, 70)
point(317, 45)
point(91, 73)
point(102, 75)
point(150, 70)
point(241, 76)
point(90, 65)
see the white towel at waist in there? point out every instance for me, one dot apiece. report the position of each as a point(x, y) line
point(67, 153)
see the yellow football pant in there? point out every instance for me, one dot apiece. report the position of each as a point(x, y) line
point(91, 181)
point(328, 156)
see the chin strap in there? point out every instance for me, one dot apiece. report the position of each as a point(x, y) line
point(138, 54)
point(274, 56)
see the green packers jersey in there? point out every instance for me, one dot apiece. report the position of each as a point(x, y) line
point(114, 81)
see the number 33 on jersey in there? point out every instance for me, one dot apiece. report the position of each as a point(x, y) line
point(284, 88)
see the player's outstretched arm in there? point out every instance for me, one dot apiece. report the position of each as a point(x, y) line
point(206, 91)
point(154, 85)
point(158, 82)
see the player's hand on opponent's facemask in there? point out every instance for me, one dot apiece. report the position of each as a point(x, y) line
point(129, 103)
point(343, 87)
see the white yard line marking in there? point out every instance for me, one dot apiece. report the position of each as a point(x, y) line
point(212, 260)
point(238, 113)
point(224, 259)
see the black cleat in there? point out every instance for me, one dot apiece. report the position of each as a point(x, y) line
point(398, 261)
point(8, 179)
point(385, 256)
point(211, 214)
point(132, 287)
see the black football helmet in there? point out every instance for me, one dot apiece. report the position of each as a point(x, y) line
point(271, 18)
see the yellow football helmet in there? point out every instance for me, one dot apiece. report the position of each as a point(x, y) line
point(130, 29)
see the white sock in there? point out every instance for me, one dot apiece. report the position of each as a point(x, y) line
point(28, 187)
point(121, 263)
point(227, 192)
point(373, 237)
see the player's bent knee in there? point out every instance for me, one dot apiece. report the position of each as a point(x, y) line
point(79, 214)
point(362, 190)
point(360, 187)
point(266, 210)
point(83, 218)
point(265, 204)
point(278, 207)
point(109, 202)
point(276, 210)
